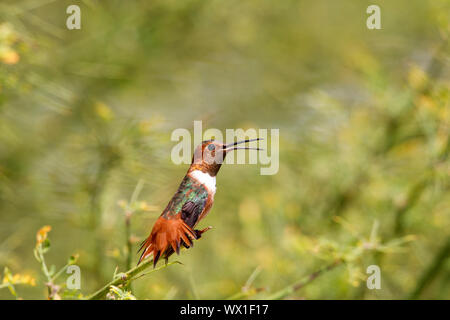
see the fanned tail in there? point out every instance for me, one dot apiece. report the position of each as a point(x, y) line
point(166, 238)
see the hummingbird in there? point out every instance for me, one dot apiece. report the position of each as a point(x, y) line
point(190, 204)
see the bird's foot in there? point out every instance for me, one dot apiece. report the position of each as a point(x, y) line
point(198, 233)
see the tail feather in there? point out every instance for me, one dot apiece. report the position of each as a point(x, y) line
point(166, 238)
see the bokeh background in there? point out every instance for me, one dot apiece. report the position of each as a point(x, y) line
point(86, 117)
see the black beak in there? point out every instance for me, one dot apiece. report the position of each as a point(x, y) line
point(232, 146)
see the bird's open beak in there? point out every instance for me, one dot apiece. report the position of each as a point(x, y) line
point(232, 146)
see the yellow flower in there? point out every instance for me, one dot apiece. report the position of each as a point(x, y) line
point(103, 111)
point(9, 56)
point(417, 78)
point(9, 278)
point(41, 235)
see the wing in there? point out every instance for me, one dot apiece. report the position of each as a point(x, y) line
point(174, 227)
point(191, 211)
point(190, 200)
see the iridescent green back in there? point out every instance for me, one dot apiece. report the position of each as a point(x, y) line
point(189, 190)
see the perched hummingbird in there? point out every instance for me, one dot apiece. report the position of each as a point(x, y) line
point(190, 204)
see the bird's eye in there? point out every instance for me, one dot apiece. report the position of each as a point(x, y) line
point(211, 147)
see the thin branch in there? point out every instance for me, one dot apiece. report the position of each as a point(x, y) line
point(130, 275)
point(432, 270)
point(60, 272)
point(303, 282)
point(247, 289)
point(129, 212)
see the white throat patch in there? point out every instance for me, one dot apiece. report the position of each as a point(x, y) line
point(205, 179)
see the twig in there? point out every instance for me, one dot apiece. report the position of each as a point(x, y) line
point(432, 271)
point(413, 196)
point(49, 284)
point(303, 282)
point(129, 212)
point(247, 289)
point(130, 275)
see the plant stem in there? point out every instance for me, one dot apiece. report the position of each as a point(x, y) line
point(60, 272)
point(432, 271)
point(303, 282)
point(130, 275)
point(129, 212)
point(4, 285)
point(49, 283)
point(44, 266)
point(128, 239)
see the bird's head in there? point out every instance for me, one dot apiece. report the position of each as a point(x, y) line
point(210, 154)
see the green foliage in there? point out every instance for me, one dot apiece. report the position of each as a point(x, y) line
point(11, 280)
point(116, 293)
point(86, 117)
point(55, 291)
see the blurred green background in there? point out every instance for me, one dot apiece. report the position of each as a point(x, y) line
point(364, 121)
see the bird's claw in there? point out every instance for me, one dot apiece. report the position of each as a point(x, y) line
point(198, 233)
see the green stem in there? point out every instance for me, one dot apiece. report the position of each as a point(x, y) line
point(44, 265)
point(303, 282)
point(45, 270)
point(4, 285)
point(60, 272)
point(432, 271)
point(129, 244)
point(129, 212)
point(130, 275)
